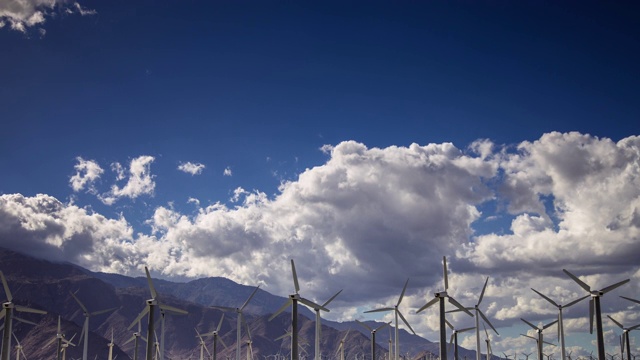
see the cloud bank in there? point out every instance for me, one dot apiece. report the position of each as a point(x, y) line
point(20, 15)
point(369, 218)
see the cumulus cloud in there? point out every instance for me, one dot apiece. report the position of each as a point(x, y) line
point(369, 218)
point(191, 168)
point(21, 15)
point(87, 171)
point(140, 181)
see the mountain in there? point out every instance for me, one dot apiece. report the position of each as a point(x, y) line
point(47, 285)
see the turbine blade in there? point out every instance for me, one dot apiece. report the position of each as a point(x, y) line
point(449, 324)
point(29, 310)
point(549, 324)
point(154, 294)
point(633, 327)
point(331, 299)
point(79, 302)
point(548, 343)
point(402, 293)
point(364, 325)
point(3, 312)
point(286, 304)
point(345, 335)
point(630, 299)
point(222, 342)
point(49, 342)
point(139, 317)
point(406, 322)
point(530, 324)
point(444, 268)
point(451, 339)
point(224, 308)
point(244, 322)
point(459, 306)
point(617, 323)
point(466, 329)
point(380, 310)
point(575, 301)
point(487, 321)
point(82, 331)
point(99, 312)
point(130, 340)
point(389, 323)
point(312, 305)
point(249, 299)
point(220, 323)
point(173, 309)
point(295, 277)
point(558, 328)
point(611, 287)
point(580, 282)
point(6, 287)
point(427, 305)
point(23, 320)
point(546, 298)
point(591, 305)
point(482, 293)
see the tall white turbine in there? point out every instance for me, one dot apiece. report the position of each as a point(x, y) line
point(594, 306)
point(625, 337)
point(341, 346)
point(454, 337)
point(293, 301)
point(319, 323)
point(397, 313)
point(216, 336)
point(240, 319)
point(7, 312)
point(373, 336)
point(540, 338)
point(560, 320)
point(152, 303)
point(85, 327)
point(439, 298)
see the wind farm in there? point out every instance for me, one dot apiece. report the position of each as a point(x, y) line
point(116, 339)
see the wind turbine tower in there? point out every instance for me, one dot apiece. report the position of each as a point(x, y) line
point(85, 327)
point(240, 319)
point(594, 305)
point(373, 336)
point(540, 338)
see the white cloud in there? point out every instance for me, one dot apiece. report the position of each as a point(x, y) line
point(369, 218)
point(191, 168)
point(140, 181)
point(24, 14)
point(87, 172)
point(227, 171)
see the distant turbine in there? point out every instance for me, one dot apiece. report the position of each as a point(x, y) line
point(7, 312)
point(540, 338)
point(397, 313)
point(239, 318)
point(488, 341)
point(203, 346)
point(439, 298)
point(373, 336)
point(293, 301)
point(594, 303)
point(85, 327)
point(454, 337)
point(19, 349)
point(560, 322)
point(341, 346)
point(135, 337)
point(216, 336)
point(65, 344)
point(625, 336)
point(150, 308)
point(111, 345)
point(319, 323)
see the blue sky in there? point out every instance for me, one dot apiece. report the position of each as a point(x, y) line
point(284, 106)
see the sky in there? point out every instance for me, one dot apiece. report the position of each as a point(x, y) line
point(364, 140)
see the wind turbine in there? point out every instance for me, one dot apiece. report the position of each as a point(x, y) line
point(537, 343)
point(341, 346)
point(319, 323)
point(7, 312)
point(19, 349)
point(152, 303)
point(439, 298)
point(454, 337)
point(58, 339)
point(240, 319)
point(625, 336)
point(479, 314)
point(488, 341)
point(293, 301)
point(136, 335)
point(203, 346)
point(594, 303)
point(390, 355)
point(560, 322)
point(64, 345)
point(539, 330)
point(397, 313)
point(529, 354)
point(111, 345)
point(85, 328)
point(373, 336)
point(216, 336)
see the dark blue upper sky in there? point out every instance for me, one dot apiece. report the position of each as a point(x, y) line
point(232, 83)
